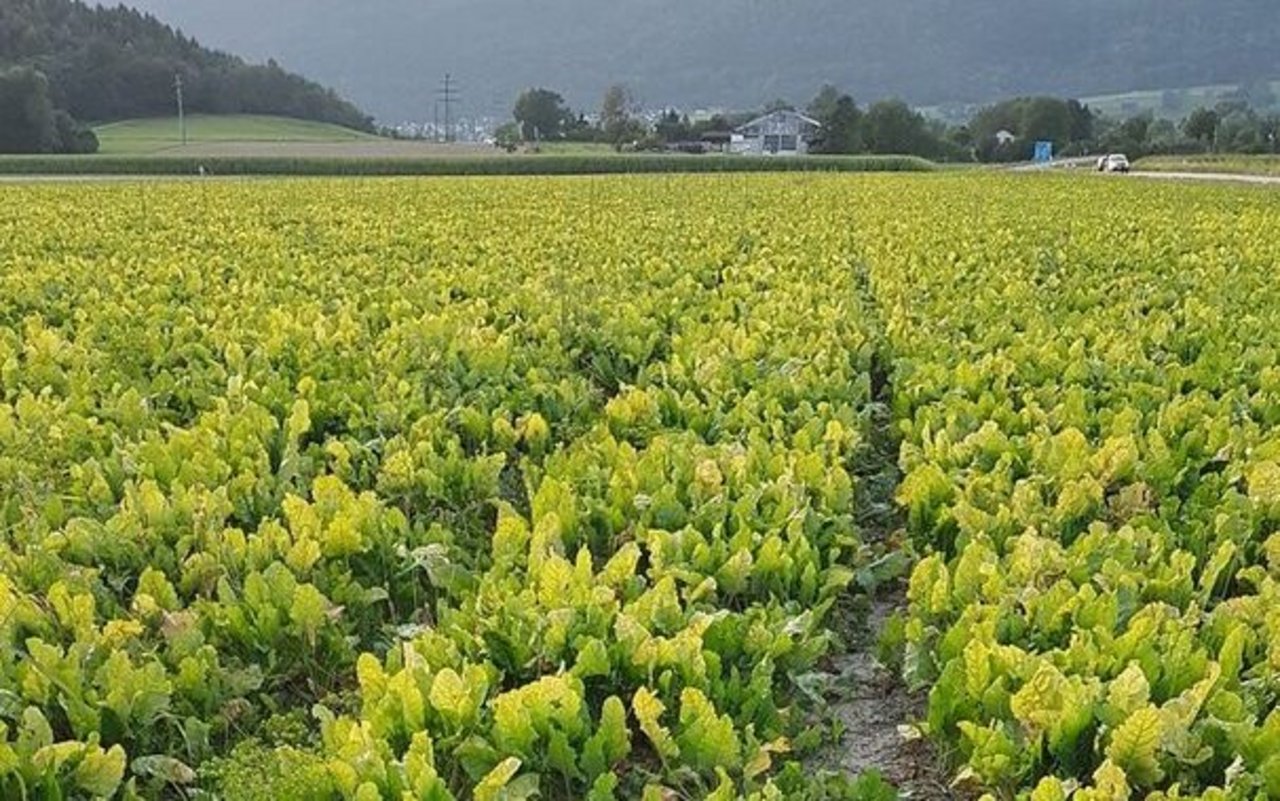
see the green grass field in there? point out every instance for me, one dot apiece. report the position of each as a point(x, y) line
point(1172, 104)
point(1227, 163)
point(145, 136)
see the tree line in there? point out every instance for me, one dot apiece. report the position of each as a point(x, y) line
point(1233, 125)
point(30, 124)
point(886, 127)
point(1002, 132)
point(65, 61)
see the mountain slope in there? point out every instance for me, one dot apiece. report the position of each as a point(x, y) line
point(389, 54)
point(107, 64)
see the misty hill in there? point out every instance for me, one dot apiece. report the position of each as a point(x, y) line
point(389, 54)
point(109, 64)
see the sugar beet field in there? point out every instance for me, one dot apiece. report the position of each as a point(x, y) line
point(768, 487)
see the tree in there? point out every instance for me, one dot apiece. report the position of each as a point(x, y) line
point(1241, 132)
point(1066, 123)
point(719, 123)
point(1201, 125)
point(1132, 136)
point(1137, 129)
point(507, 136)
point(1163, 137)
point(842, 127)
point(1271, 132)
point(26, 115)
point(1082, 122)
point(957, 143)
point(1046, 119)
point(891, 126)
point(580, 129)
point(30, 124)
point(986, 126)
point(672, 127)
point(841, 121)
point(618, 124)
point(615, 114)
point(541, 114)
point(73, 137)
point(824, 103)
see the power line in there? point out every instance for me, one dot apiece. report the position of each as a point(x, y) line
point(182, 117)
point(447, 95)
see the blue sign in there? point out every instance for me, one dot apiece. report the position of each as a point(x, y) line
point(1044, 152)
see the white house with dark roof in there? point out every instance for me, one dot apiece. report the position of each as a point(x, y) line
point(778, 133)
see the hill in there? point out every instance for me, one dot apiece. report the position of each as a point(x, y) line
point(741, 53)
point(105, 64)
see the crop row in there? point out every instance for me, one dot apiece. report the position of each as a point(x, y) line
point(422, 491)
point(1090, 474)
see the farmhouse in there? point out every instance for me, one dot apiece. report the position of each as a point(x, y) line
point(778, 133)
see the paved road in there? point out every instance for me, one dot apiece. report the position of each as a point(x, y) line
point(1076, 165)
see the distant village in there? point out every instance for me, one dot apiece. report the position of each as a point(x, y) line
point(483, 129)
point(1245, 119)
point(782, 131)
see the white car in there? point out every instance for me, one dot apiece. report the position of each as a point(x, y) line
point(1114, 162)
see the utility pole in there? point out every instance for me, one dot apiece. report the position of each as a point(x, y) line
point(182, 117)
point(448, 95)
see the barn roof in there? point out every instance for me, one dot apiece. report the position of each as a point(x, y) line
point(782, 112)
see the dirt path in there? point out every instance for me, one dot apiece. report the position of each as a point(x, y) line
point(875, 709)
point(1270, 180)
point(37, 178)
point(871, 702)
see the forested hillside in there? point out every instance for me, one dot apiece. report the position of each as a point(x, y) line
point(106, 64)
point(742, 53)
